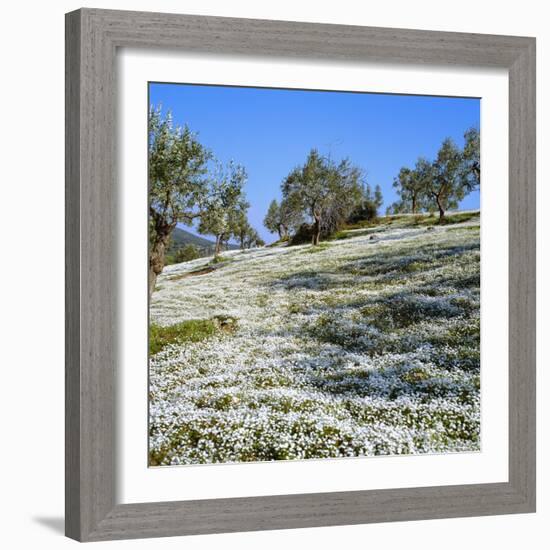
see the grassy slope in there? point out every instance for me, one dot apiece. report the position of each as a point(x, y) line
point(366, 345)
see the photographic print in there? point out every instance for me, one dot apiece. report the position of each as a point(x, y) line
point(314, 274)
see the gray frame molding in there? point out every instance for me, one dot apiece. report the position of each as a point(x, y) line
point(92, 38)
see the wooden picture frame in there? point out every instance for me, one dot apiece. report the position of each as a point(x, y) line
point(92, 39)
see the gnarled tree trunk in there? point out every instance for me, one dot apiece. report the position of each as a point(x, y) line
point(157, 249)
point(316, 232)
point(477, 171)
point(440, 207)
point(218, 245)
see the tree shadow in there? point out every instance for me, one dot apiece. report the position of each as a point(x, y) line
point(415, 293)
point(307, 280)
point(388, 264)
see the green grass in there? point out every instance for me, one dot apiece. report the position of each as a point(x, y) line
point(278, 242)
point(200, 271)
point(401, 220)
point(220, 259)
point(347, 234)
point(378, 225)
point(364, 224)
point(339, 236)
point(467, 228)
point(193, 330)
point(316, 248)
point(448, 219)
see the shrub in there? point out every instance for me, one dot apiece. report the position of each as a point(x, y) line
point(219, 259)
point(279, 242)
point(186, 254)
point(304, 235)
point(366, 212)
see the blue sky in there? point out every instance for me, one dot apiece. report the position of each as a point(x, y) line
point(270, 131)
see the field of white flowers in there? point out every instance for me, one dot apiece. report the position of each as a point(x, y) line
point(365, 345)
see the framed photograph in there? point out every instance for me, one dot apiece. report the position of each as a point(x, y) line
point(300, 275)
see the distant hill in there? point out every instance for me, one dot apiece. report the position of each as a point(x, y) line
point(180, 238)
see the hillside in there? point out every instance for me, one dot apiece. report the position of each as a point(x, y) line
point(181, 237)
point(366, 345)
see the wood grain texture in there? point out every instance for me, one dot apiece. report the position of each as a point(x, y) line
point(294, 39)
point(522, 274)
point(91, 337)
point(92, 37)
point(72, 276)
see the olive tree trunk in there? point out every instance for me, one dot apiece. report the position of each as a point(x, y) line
point(316, 232)
point(218, 246)
point(477, 171)
point(157, 251)
point(440, 208)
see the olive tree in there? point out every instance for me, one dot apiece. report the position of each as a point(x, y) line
point(272, 220)
point(252, 239)
point(177, 184)
point(324, 191)
point(445, 182)
point(367, 204)
point(281, 218)
point(241, 227)
point(411, 186)
point(378, 197)
point(224, 204)
point(245, 234)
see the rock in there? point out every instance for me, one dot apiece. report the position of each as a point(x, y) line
point(226, 322)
